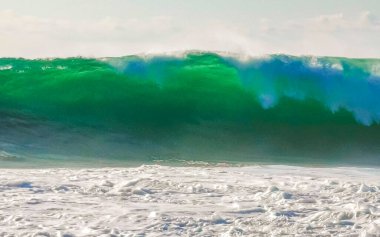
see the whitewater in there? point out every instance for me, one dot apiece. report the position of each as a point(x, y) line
point(158, 200)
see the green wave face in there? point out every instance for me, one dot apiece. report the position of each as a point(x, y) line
point(197, 106)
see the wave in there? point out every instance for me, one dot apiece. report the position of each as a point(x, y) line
point(198, 104)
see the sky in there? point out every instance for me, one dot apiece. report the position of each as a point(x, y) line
point(98, 28)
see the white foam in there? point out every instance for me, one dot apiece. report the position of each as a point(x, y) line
point(192, 201)
point(6, 67)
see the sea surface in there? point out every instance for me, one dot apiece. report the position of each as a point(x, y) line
point(189, 108)
point(155, 200)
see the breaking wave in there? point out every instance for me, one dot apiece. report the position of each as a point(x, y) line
point(196, 105)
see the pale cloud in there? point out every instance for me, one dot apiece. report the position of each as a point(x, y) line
point(12, 23)
point(32, 36)
point(326, 23)
point(365, 21)
point(369, 21)
point(334, 34)
point(333, 22)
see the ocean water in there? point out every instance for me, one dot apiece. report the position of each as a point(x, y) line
point(192, 107)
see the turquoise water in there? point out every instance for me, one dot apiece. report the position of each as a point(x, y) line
point(197, 106)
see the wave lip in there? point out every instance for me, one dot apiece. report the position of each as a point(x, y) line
point(337, 83)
